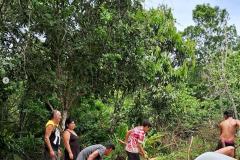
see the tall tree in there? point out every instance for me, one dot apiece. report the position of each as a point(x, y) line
point(214, 39)
point(211, 32)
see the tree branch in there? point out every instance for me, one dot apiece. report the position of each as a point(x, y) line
point(49, 104)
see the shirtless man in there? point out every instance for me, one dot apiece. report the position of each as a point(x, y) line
point(228, 129)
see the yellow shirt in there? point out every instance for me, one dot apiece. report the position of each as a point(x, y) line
point(55, 135)
point(50, 122)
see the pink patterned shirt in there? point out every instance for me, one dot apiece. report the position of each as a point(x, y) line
point(136, 136)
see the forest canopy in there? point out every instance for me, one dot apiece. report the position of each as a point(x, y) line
point(111, 64)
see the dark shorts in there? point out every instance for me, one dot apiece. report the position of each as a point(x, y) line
point(133, 156)
point(227, 143)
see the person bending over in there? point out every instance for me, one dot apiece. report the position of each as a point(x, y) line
point(95, 152)
point(134, 139)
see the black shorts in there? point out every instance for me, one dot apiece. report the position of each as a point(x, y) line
point(133, 156)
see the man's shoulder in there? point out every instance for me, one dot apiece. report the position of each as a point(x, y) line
point(236, 122)
point(232, 121)
point(94, 147)
point(50, 122)
point(229, 122)
point(98, 146)
point(223, 122)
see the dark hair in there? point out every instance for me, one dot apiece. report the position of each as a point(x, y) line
point(228, 113)
point(68, 121)
point(110, 146)
point(146, 123)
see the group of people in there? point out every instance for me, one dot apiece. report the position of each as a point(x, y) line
point(226, 145)
point(52, 138)
point(133, 141)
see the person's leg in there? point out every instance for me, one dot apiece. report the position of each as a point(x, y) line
point(137, 156)
point(133, 156)
point(128, 155)
point(229, 151)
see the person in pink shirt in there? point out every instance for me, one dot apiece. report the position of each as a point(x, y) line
point(134, 139)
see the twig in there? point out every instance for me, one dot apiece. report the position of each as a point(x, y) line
point(122, 142)
point(189, 149)
point(49, 104)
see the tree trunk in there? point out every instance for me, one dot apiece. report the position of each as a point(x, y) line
point(64, 117)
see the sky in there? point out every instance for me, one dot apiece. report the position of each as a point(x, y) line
point(182, 10)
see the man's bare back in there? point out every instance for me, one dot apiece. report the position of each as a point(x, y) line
point(228, 129)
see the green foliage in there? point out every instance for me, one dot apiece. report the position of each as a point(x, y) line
point(119, 134)
point(153, 144)
point(8, 144)
point(31, 146)
point(92, 121)
point(211, 32)
point(111, 64)
point(121, 131)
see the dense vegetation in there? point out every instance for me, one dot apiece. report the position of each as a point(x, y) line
point(109, 65)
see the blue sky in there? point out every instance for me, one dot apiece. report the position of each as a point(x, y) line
point(182, 10)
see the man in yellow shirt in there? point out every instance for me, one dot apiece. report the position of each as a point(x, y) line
point(52, 137)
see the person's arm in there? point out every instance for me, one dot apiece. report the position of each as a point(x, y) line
point(140, 140)
point(66, 138)
point(229, 151)
point(238, 124)
point(59, 152)
point(141, 150)
point(220, 128)
point(127, 135)
point(48, 132)
point(238, 127)
point(93, 155)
